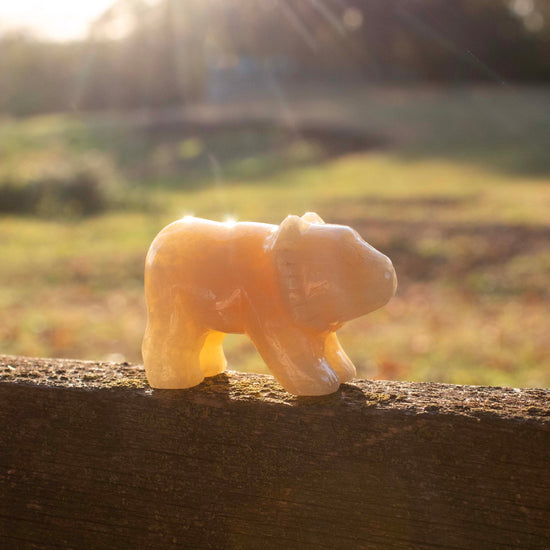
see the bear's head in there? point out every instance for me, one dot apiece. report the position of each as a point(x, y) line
point(327, 274)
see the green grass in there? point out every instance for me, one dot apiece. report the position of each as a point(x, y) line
point(463, 217)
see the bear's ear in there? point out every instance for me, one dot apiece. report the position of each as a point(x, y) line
point(288, 235)
point(312, 217)
point(285, 244)
point(302, 291)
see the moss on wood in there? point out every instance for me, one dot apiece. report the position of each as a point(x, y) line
point(93, 457)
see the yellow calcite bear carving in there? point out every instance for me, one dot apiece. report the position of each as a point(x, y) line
point(289, 287)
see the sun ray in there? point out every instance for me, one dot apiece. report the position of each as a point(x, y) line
point(298, 25)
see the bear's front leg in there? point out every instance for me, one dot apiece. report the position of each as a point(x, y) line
point(339, 359)
point(296, 359)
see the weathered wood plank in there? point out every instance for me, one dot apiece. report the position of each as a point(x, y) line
point(91, 457)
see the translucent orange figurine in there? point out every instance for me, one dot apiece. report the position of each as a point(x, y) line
point(289, 287)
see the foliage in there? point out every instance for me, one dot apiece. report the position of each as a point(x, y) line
point(438, 40)
point(149, 54)
point(55, 182)
point(462, 209)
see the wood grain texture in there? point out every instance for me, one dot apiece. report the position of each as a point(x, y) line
point(91, 457)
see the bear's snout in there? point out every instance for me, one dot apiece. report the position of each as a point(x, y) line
point(380, 282)
point(391, 277)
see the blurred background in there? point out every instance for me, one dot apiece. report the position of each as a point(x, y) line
point(424, 124)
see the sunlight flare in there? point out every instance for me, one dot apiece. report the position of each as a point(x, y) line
point(56, 19)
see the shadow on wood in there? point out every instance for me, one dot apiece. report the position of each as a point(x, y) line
point(93, 458)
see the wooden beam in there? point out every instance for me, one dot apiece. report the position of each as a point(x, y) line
point(91, 457)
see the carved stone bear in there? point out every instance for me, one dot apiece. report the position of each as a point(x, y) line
point(288, 287)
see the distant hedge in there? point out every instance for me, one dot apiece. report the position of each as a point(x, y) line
point(70, 185)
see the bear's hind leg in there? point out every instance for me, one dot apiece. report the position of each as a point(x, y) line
point(212, 359)
point(338, 359)
point(171, 355)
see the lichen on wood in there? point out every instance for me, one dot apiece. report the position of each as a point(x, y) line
point(476, 401)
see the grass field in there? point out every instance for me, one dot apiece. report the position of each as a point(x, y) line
point(457, 193)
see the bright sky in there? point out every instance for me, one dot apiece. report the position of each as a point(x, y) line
point(57, 19)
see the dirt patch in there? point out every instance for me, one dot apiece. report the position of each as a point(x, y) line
point(426, 202)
